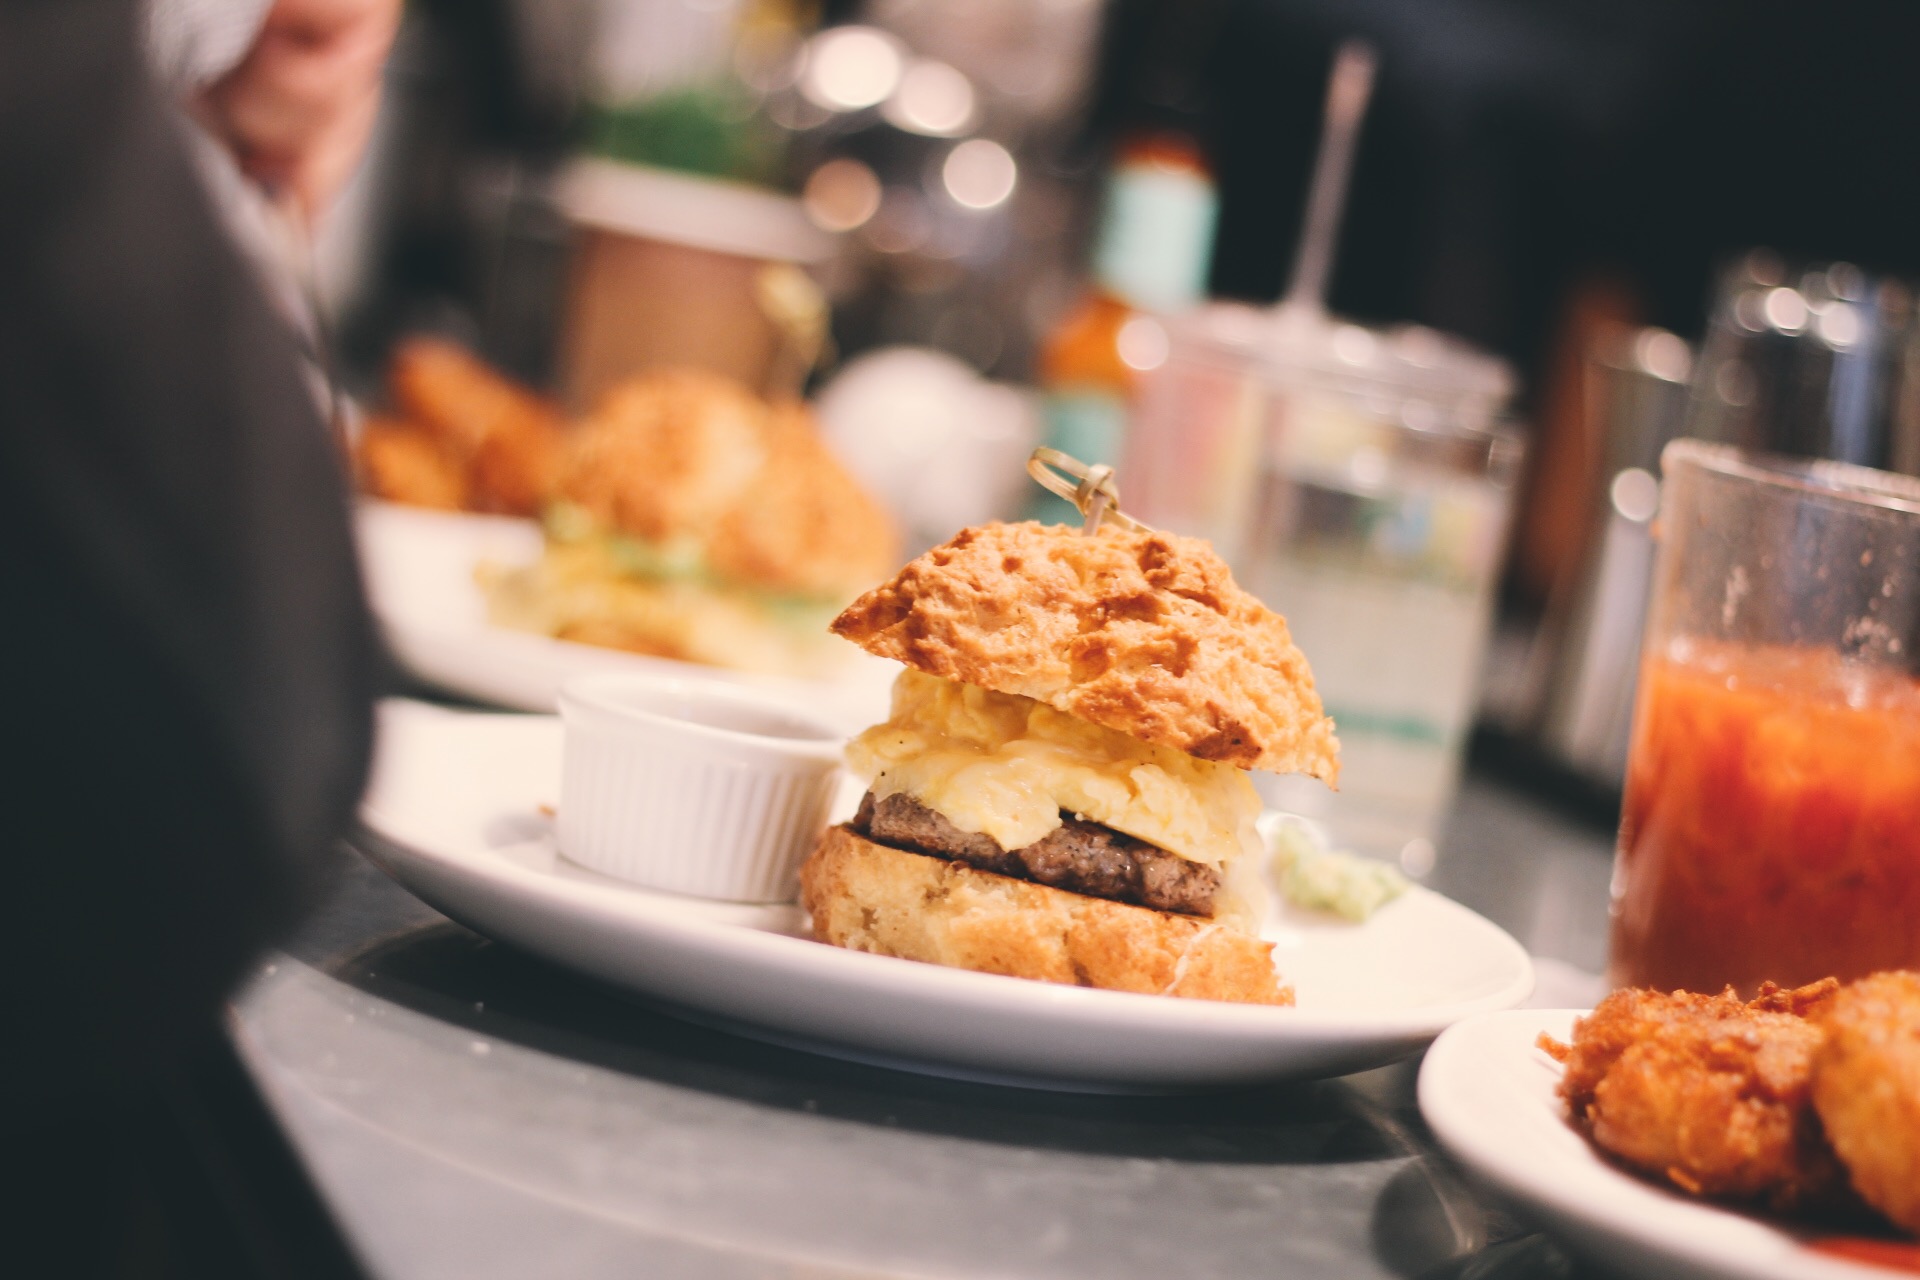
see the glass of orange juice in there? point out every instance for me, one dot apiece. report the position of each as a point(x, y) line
point(1771, 827)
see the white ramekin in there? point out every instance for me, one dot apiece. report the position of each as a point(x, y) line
point(692, 786)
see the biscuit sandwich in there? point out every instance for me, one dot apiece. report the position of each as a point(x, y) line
point(693, 520)
point(1061, 791)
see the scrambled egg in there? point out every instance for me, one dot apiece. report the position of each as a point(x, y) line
point(1007, 766)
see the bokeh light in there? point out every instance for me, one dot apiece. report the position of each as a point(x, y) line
point(1143, 343)
point(1839, 324)
point(933, 99)
point(979, 174)
point(850, 67)
point(841, 194)
point(1785, 309)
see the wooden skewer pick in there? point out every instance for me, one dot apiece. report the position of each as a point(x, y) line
point(1090, 488)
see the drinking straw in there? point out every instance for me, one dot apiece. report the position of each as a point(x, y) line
point(1348, 90)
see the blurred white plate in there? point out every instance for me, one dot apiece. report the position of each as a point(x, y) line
point(1488, 1095)
point(455, 814)
point(420, 575)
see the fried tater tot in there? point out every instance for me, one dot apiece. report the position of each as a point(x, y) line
point(508, 437)
point(400, 463)
point(1866, 1088)
point(513, 472)
point(1711, 1093)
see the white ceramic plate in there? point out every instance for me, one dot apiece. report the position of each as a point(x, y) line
point(455, 814)
point(1488, 1095)
point(419, 567)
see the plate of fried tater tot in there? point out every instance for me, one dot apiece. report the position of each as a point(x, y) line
point(1701, 1135)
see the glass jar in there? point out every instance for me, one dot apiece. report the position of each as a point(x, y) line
point(1771, 827)
point(1360, 482)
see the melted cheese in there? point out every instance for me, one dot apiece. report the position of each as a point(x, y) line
point(1008, 766)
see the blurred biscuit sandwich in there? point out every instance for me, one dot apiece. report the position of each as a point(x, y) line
point(1062, 790)
point(692, 520)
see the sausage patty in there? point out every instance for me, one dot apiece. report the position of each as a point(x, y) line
point(1078, 856)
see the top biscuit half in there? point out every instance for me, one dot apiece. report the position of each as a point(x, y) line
point(1142, 632)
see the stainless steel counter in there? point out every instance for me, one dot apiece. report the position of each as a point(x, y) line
point(471, 1112)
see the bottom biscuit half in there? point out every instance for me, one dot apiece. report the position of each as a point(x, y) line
point(872, 897)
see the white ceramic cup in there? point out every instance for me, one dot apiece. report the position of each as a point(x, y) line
point(692, 786)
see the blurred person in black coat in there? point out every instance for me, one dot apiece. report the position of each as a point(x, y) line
point(188, 663)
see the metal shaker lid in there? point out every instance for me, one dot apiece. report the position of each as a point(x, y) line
point(1289, 347)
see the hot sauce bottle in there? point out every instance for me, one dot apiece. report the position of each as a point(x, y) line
point(1150, 256)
